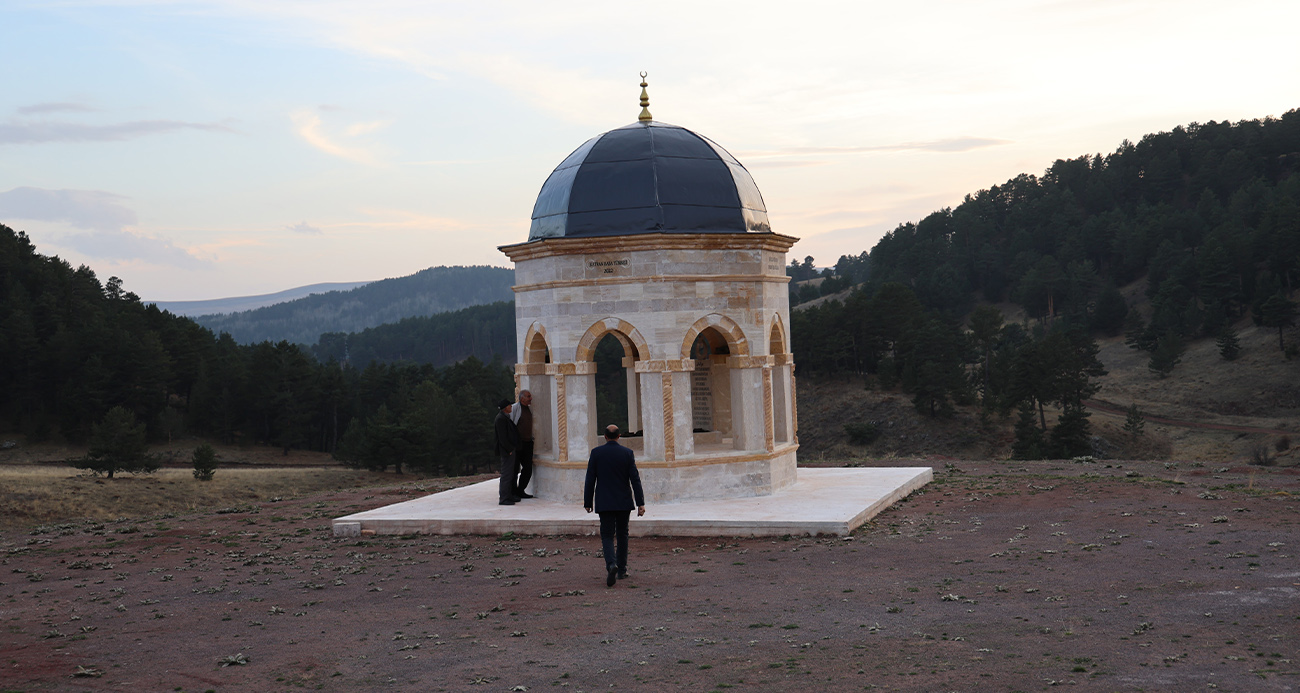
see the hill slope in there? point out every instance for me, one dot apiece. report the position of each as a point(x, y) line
point(236, 304)
point(430, 291)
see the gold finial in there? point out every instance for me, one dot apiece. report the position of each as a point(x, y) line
point(645, 102)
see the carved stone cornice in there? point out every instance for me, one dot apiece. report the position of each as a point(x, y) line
point(575, 368)
point(750, 361)
point(547, 247)
point(665, 366)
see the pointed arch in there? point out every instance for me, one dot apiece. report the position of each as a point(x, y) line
point(736, 342)
point(634, 345)
point(536, 345)
point(778, 342)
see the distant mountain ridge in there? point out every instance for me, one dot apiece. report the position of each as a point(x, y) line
point(236, 304)
point(427, 292)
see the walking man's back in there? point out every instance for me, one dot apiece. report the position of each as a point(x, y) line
point(613, 489)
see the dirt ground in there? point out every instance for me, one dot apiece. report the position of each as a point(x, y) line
point(1114, 576)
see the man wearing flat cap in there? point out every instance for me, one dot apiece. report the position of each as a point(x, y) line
point(507, 441)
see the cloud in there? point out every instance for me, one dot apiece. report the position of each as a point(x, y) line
point(104, 218)
point(84, 209)
point(124, 245)
point(956, 144)
point(305, 228)
point(22, 132)
point(759, 162)
point(952, 144)
point(309, 127)
point(363, 128)
point(52, 108)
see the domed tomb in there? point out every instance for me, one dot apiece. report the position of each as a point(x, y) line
point(657, 237)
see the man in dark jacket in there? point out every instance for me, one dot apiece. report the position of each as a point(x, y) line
point(613, 480)
point(507, 441)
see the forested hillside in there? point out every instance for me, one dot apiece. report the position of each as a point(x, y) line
point(72, 349)
point(427, 292)
point(1208, 214)
point(483, 331)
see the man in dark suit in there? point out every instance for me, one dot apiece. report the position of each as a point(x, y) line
point(507, 441)
point(613, 480)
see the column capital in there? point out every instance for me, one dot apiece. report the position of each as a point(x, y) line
point(665, 366)
point(574, 368)
point(531, 368)
point(750, 361)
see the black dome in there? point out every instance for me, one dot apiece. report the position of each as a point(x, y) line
point(648, 177)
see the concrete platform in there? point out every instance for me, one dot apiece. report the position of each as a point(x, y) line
point(821, 501)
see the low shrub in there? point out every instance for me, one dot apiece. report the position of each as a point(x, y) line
point(862, 432)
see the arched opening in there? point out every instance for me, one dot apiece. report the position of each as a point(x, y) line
point(612, 383)
point(536, 350)
point(711, 388)
point(614, 346)
point(782, 407)
point(776, 344)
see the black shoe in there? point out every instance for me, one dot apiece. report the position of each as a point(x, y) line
point(521, 494)
point(622, 574)
point(610, 575)
point(507, 501)
point(515, 499)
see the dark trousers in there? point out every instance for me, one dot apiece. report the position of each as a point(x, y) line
point(524, 456)
point(507, 486)
point(613, 524)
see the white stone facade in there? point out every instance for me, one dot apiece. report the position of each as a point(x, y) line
point(677, 302)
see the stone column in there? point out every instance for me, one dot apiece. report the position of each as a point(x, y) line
point(782, 398)
point(678, 373)
point(751, 403)
point(575, 408)
point(666, 408)
point(652, 419)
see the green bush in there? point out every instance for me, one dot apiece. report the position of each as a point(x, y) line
point(205, 462)
point(862, 432)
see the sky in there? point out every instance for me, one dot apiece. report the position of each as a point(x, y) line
point(203, 150)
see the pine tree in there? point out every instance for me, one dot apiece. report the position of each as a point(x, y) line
point(1276, 311)
point(1029, 437)
point(1137, 335)
point(117, 444)
point(1133, 421)
point(205, 462)
point(1229, 347)
point(1070, 436)
point(1168, 353)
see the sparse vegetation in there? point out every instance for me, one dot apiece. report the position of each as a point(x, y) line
point(45, 494)
point(862, 432)
point(1134, 423)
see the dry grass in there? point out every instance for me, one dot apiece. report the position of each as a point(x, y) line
point(1260, 389)
point(38, 494)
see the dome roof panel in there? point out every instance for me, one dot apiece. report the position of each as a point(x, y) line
point(648, 177)
point(613, 185)
point(697, 182)
point(554, 197)
point(750, 197)
point(620, 145)
point(615, 222)
point(680, 142)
